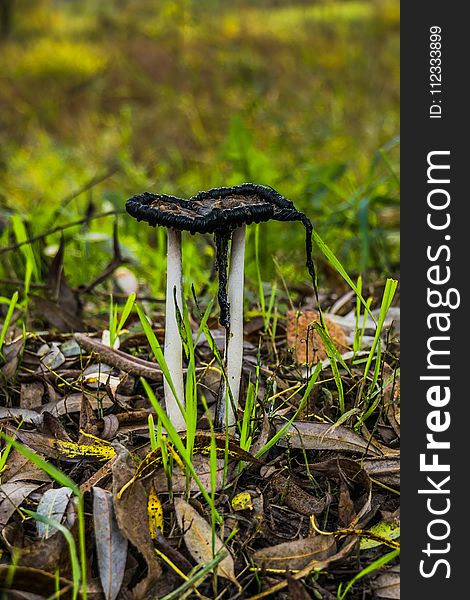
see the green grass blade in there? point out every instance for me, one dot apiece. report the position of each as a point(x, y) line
point(177, 442)
point(389, 293)
point(6, 322)
point(339, 267)
point(126, 312)
point(283, 429)
point(377, 564)
point(158, 353)
point(64, 481)
point(198, 575)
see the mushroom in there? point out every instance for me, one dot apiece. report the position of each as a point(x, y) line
point(224, 212)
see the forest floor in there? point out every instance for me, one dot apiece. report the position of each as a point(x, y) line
point(301, 502)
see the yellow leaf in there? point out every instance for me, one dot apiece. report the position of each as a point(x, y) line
point(74, 450)
point(155, 513)
point(242, 501)
point(383, 532)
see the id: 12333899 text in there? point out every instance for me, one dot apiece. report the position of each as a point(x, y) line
point(435, 72)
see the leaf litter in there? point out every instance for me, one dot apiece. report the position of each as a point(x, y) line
point(294, 521)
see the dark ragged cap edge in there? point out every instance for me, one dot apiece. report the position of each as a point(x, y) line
point(275, 206)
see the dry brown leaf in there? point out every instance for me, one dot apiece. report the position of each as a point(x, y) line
point(31, 395)
point(98, 476)
point(197, 535)
point(296, 589)
point(111, 545)
point(299, 331)
point(35, 581)
point(296, 498)
point(293, 556)
point(72, 404)
point(55, 315)
point(47, 554)
point(131, 516)
point(53, 505)
point(350, 472)
point(88, 421)
point(20, 468)
point(323, 436)
point(345, 505)
point(12, 495)
point(385, 469)
point(20, 414)
point(387, 584)
point(58, 289)
point(11, 354)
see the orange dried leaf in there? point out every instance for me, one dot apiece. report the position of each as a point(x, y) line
point(305, 341)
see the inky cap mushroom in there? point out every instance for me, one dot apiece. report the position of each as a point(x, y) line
point(224, 212)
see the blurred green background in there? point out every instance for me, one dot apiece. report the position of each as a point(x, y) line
point(116, 97)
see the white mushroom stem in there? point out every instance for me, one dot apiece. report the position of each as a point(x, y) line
point(234, 341)
point(173, 346)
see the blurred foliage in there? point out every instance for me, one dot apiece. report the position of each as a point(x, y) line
point(182, 95)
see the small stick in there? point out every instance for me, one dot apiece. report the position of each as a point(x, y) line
point(121, 360)
point(60, 228)
point(125, 362)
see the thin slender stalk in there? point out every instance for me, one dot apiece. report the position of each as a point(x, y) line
point(234, 340)
point(173, 347)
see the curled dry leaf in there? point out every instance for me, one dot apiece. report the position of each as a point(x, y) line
point(57, 408)
point(294, 556)
point(305, 341)
point(110, 427)
point(323, 436)
point(53, 359)
point(88, 423)
point(19, 468)
point(197, 535)
point(111, 545)
point(21, 414)
point(35, 581)
point(12, 495)
point(11, 355)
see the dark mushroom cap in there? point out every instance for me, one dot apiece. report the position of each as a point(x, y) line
point(218, 209)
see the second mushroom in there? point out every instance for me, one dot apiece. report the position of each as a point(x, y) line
point(225, 212)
